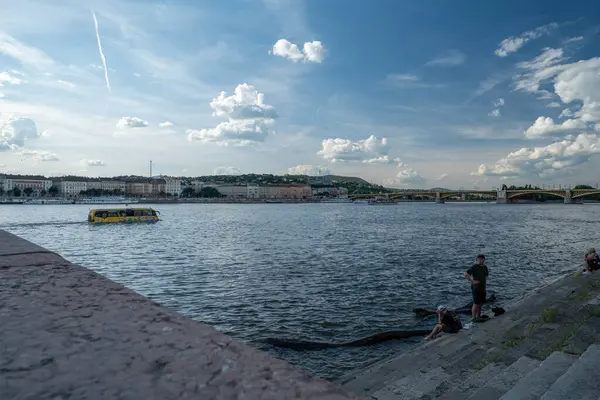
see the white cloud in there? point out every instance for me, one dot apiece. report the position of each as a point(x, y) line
point(5, 77)
point(14, 131)
point(245, 103)
point(226, 171)
point(131, 122)
point(544, 161)
point(514, 43)
point(345, 150)
point(409, 176)
point(441, 177)
point(566, 113)
point(554, 104)
point(309, 170)
point(409, 80)
point(250, 119)
point(448, 58)
point(574, 39)
point(383, 160)
point(39, 155)
point(243, 132)
point(312, 51)
point(498, 104)
point(26, 55)
point(165, 124)
point(541, 68)
point(93, 163)
point(545, 127)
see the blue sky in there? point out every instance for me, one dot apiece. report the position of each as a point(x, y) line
point(405, 93)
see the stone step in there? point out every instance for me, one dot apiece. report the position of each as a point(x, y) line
point(535, 384)
point(391, 370)
point(580, 381)
point(503, 382)
point(461, 388)
point(413, 386)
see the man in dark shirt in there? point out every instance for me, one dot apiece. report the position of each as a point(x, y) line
point(448, 322)
point(478, 274)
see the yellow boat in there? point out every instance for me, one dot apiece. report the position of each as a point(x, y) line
point(123, 215)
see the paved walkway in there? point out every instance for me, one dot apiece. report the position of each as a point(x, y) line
point(69, 333)
point(562, 317)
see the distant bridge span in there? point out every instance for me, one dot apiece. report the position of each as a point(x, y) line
point(501, 196)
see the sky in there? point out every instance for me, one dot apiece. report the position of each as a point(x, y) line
point(409, 94)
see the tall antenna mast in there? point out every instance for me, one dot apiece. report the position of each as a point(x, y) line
point(150, 168)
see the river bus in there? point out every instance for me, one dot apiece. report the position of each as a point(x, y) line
point(123, 215)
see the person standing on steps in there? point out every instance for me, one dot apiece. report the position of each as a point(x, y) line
point(478, 274)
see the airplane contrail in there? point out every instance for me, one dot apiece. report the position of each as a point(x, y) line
point(101, 52)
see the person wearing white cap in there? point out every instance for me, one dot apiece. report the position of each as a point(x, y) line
point(448, 322)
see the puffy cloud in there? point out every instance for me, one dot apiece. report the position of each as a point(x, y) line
point(499, 102)
point(409, 176)
point(545, 127)
point(554, 104)
point(448, 58)
point(309, 170)
point(312, 51)
point(5, 77)
point(245, 103)
point(514, 43)
point(131, 122)
point(226, 171)
point(14, 131)
point(441, 177)
point(345, 150)
point(93, 163)
point(250, 119)
point(544, 161)
point(39, 155)
point(234, 132)
point(166, 124)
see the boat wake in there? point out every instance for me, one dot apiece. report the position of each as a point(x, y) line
point(36, 224)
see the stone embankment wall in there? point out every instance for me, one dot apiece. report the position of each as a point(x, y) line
point(69, 333)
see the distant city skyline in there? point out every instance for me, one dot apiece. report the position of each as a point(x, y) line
point(398, 93)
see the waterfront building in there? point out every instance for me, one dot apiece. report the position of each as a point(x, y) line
point(236, 191)
point(109, 185)
point(292, 191)
point(173, 186)
point(71, 186)
point(146, 187)
point(37, 183)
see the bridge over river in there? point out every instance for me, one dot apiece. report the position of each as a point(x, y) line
point(503, 196)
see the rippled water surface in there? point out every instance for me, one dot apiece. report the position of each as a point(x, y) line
point(330, 272)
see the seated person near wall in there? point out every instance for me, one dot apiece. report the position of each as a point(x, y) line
point(592, 260)
point(448, 322)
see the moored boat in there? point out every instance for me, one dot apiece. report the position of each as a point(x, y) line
point(123, 215)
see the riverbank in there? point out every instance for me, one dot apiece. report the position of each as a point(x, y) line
point(545, 344)
point(68, 332)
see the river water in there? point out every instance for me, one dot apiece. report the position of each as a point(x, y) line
point(328, 272)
